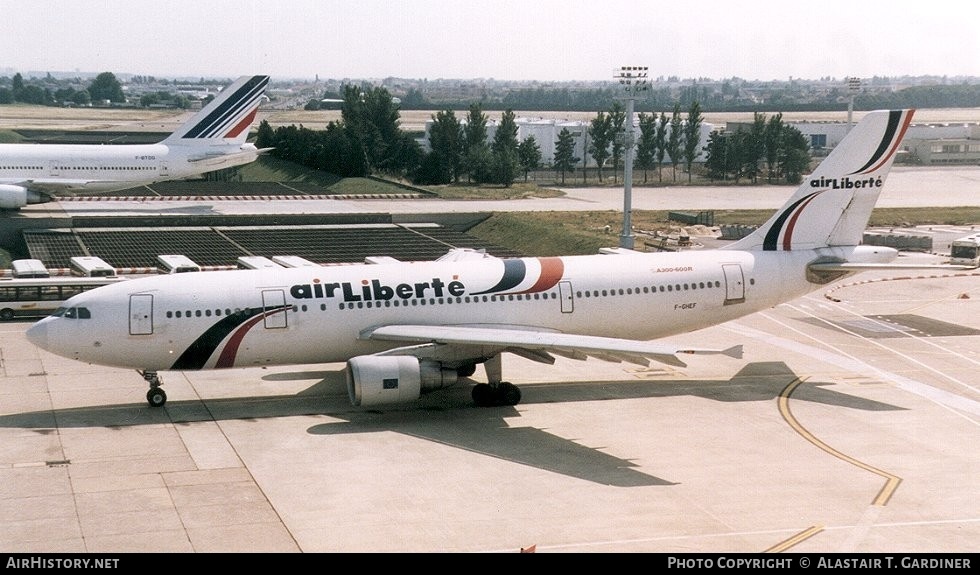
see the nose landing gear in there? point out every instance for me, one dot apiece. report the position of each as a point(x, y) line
point(156, 397)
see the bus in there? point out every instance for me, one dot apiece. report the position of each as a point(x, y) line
point(39, 297)
point(965, 250)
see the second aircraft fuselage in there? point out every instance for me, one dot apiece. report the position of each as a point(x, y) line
point(106, 168)
point(244, 318)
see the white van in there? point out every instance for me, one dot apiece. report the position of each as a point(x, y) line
point(29, 269)
point(176, 264)
point(91, 266)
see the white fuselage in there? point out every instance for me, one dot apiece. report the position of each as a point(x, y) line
point(86, 167)
point(316, 315)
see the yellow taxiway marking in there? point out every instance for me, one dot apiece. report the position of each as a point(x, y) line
point(792, 541)
point(891, 481)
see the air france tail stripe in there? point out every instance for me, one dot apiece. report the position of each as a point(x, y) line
point(897, 140)
point(243, 125)
point(221, 117)
point(246, 96)
point(243, 99)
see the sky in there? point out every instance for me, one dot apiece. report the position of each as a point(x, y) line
point(546, 40)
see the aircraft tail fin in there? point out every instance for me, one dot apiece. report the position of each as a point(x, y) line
point(833, 205)
point(227, 118)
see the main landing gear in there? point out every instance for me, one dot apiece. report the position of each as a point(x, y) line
point(495, 393)
point(156, 397)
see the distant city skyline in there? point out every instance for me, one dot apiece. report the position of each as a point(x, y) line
point(501, 39)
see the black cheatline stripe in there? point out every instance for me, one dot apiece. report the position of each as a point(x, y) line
point(514, 273)
point(771, 242)
point(197, 353)
point(244, 97)
point(894, 120)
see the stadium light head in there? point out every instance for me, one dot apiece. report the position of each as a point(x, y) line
point(633, 79)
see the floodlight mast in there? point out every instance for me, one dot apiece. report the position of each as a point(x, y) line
point(853, 87)
point(634, 82)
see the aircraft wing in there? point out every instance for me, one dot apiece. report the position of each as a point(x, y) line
point(55, 185)
point(864, 267)
point(536, 344)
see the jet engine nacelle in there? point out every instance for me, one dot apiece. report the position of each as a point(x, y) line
point(15, 197)
point(387, 380)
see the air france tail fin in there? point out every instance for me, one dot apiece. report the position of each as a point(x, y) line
point(833, 205)
point(227, 119)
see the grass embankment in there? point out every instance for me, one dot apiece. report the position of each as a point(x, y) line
point(571, 233)
point(10, 137)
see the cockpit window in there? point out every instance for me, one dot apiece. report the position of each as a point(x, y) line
point(73, 313)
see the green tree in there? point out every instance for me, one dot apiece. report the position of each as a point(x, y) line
point(646, 147)
point(81, 97)
point(528, 155)
point(446, 141)
point(106, 87)
point(674, 139)
point(795, 156)
point(32, 94)
point(660, 143)
point(475, 150)
point(372, 115)
point(505, 138)
point(600, 130)
point(18, 85)
point(773, 138)
point(714, 163)
point(505, 166)
point(692, 136)
point(265, 136)
point(754, 147)
point(565, 159)
point(479, 163)
point(475, 130)
point(504, 149)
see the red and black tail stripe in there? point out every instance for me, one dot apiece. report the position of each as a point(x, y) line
point(889, 142)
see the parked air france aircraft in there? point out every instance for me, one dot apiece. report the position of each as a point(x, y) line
point(212, 139)
point(409, 328)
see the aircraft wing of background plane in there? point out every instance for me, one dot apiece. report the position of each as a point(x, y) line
point(865, 267)
point(536, 344)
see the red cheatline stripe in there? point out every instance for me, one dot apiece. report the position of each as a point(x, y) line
point(551, 273)
point(227, 357)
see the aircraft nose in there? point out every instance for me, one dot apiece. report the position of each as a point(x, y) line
point(38, 334)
